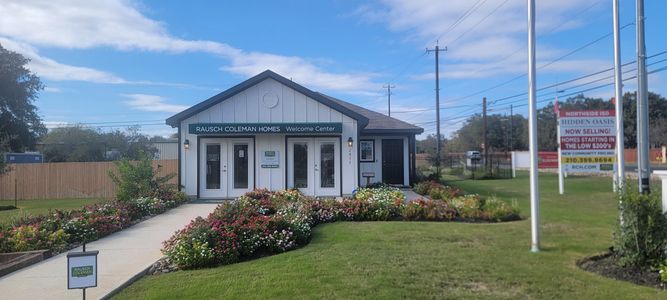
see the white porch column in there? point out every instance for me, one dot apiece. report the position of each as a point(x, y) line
point(663, 178)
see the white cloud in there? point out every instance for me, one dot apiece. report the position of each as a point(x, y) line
point(84, 24)
point(152, 103)
point(480, 44)
point(50, 89)
point(301, 71)
point(55, 124)
point(51, 69)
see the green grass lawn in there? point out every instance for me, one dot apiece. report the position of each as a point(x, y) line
point(42, 206)
point(432, 260)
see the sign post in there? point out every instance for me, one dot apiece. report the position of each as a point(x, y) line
point(82, 270)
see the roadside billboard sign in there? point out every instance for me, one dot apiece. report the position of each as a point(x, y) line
point(587, 140)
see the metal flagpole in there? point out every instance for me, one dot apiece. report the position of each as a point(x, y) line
point(561, 180)
point(618, 84)
point(532, 133)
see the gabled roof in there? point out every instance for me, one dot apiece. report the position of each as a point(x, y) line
point(369, 121)
point(377, 122)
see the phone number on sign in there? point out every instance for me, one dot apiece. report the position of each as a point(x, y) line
point(588, 160)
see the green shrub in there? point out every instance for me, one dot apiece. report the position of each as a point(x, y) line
point(7, 207)
point(193, 248)
point(29, 237)
point(468, 206)
point(382, 203)
point(428, 210)
point(423, 187)
point(139, 179)
point(497, 210)
point(641, 238)
point(663, 271)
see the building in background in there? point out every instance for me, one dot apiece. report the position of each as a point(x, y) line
point(24, 158)
point(166, 149)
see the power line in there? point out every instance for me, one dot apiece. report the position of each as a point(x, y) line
point(479, 22)
point(581, 77)
point(465, 15)
point(559, 25)
point(540, 67)
point(463, 118)
point(430, 109)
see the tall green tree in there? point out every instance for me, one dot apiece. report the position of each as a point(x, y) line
point(501, 134)
point(428, 146)
point(657, 116)
point(20, 125)
point(78, 143)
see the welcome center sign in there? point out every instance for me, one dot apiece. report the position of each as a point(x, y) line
point(587, 140)
point(262, 128)
point(82, 269)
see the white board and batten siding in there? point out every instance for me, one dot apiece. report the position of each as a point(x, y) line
point(376, 165)
point(248, 107)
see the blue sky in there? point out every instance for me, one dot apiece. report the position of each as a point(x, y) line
point(114, 63)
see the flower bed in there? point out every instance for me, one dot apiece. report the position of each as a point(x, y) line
point(60, 230)
point(263, 222)
point(469, 207)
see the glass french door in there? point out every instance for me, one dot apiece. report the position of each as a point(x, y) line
point(314, 166)
point(226, 167)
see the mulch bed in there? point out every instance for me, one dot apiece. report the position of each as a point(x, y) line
point(607, 265)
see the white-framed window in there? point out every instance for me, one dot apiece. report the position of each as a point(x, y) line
point(367, 150)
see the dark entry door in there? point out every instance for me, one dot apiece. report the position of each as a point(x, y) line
point(392, 161)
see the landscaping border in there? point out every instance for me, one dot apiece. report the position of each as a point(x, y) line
point(606, 265)
point(263, 222)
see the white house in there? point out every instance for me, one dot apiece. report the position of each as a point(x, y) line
point(269, 132)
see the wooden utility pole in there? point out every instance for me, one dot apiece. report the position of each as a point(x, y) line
point(437, 50)
point(486, 145)
point(389, 87)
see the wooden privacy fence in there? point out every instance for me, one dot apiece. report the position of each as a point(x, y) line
point(66, 180)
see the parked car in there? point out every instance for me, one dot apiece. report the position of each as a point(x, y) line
point(473, 155)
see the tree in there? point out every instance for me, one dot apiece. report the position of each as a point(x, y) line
point(657, 117)
point(20, 125)
point(499, 137)
point(78, 143)
point(428, 146)
point(69, 144)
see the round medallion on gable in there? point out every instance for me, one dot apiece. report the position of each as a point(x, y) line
point(270, 100)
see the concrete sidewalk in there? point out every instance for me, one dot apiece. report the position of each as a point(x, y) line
point(410, 195)
point(122, 256)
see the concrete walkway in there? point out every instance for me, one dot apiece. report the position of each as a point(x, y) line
point(410, 195)
point(122, 256)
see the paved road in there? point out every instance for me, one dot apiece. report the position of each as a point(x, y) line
point(122, 256)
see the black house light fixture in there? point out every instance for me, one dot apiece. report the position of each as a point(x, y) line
point(350, 141)
point(186, 144)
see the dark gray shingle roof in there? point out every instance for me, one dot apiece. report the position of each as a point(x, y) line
point(377, 122)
